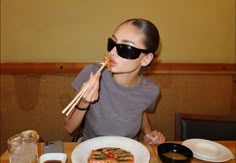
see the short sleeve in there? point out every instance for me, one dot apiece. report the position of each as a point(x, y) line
point(83, 76)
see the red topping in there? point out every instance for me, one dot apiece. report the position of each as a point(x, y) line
point(110, 155)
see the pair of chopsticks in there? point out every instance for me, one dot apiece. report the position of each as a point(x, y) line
point(78, 97)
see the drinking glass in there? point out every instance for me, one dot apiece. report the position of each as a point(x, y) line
point(23, 148)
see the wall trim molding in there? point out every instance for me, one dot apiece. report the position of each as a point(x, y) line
point(157, 68)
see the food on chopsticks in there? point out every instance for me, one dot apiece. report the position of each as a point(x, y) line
point(108, 62)
point(106, 59)
point(69, 108)
point(110, 155)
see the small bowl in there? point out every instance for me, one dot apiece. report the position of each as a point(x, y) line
point(174, 153)
point(59, 157)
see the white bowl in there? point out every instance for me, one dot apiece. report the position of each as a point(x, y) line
point(53, 156)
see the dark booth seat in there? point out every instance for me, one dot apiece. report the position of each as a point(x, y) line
point(211, 127)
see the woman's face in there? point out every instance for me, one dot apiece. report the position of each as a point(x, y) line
point(130, 35)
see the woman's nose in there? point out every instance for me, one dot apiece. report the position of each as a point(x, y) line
point(113, 51)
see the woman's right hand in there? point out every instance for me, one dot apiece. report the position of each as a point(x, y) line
point(92, 93)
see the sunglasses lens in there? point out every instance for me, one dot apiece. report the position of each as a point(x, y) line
point(127, 52)
point(123, 50)
point(110, 44)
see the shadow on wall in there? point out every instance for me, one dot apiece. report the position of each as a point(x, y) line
point(34, 102)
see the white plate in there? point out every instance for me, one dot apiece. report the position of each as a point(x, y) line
point(208, 150)
point(81, 152)
point(53, 156)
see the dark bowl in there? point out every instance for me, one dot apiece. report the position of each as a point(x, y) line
point(174, 153)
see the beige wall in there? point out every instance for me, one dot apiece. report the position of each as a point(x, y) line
point(71, 31)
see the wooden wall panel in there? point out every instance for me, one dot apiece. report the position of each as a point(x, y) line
point(200, 94)
point(34, 94)
point(35, 101)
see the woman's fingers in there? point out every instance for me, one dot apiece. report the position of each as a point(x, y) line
point(91, 93)
point(155, 137)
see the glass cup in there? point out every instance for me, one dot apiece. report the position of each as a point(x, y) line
point(23, 147)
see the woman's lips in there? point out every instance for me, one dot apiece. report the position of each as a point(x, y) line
point(111, 62)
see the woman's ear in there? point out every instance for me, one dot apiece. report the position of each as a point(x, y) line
point(147, 59)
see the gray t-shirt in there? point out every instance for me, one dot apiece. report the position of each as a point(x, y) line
point(118, 111)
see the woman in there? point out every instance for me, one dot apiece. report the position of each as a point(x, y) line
point(116, 102)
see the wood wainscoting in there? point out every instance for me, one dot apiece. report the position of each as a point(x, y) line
point(157, 68)
point(34, 94)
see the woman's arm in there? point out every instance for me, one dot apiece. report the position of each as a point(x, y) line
point(146, 127)
point(74, 119)
point(152, 137)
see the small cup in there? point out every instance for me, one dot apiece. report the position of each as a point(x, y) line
point(23, 148)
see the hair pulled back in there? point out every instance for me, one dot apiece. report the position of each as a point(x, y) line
point(150, 31)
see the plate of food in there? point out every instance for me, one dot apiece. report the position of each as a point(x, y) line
point(110, 148)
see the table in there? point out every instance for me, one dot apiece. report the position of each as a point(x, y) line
point(69, 146)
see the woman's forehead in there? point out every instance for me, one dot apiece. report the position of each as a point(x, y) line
point(128, 32)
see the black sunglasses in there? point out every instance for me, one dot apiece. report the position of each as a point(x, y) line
point(125, 51)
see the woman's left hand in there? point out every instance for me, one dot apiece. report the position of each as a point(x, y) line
point(155, 137)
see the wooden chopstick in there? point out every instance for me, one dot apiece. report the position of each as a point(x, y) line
point(78, 97)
